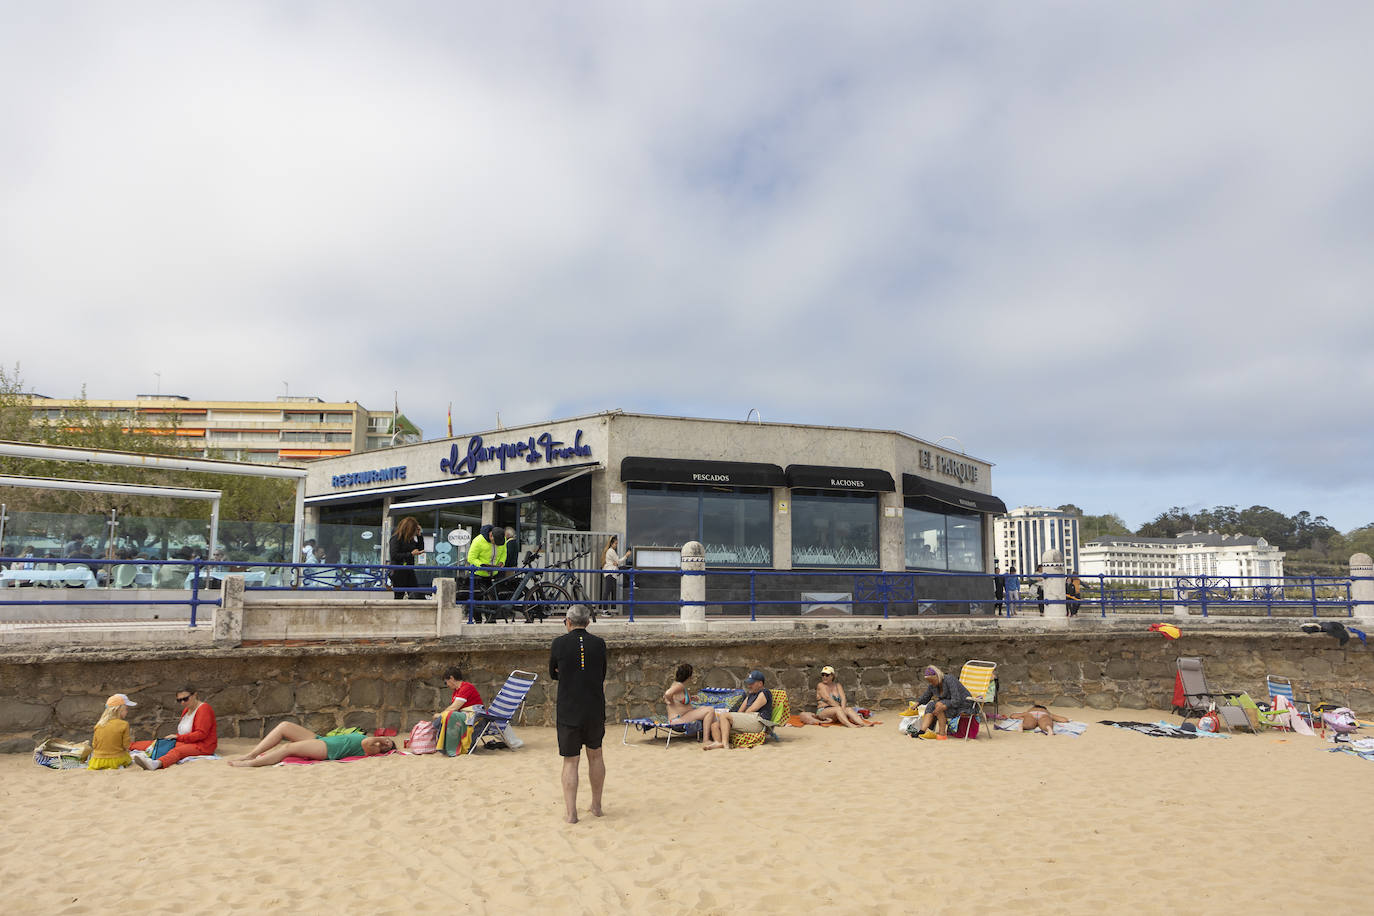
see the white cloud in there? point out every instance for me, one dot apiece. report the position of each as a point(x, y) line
point(1074, 236)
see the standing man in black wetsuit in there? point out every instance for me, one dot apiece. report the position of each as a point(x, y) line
point(577, 661)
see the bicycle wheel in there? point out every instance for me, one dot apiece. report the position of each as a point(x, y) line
point(547, 591)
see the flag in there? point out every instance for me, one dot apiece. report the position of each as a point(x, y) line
point(450, 419)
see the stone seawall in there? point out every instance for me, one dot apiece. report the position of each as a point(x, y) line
point(61, 692)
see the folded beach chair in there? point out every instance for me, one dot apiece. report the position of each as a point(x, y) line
point(662, 728)
point(980, 680)
point(509, 700)
point(1283, 687)
point(1193, 696)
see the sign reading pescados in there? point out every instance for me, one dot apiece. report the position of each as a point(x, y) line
point(533, 450)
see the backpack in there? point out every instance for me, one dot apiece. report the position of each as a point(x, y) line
point(423, 738)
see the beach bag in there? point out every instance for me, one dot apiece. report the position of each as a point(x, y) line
point(967, 727)
point(1341, 720)
point(1210, 722)
point(424, 738)
point(160, 747)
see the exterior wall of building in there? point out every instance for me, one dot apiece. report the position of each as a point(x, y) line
point(287, 429)
point(612, 437)
point(1134, 559)
point(1022, 536)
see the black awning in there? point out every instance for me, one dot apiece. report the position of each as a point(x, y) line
point(821, 477)
point(957, 497)
point(487, 484)
point(703, 473)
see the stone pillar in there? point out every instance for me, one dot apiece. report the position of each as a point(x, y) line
point(228, 625)
point(693, 593)
point(1052, 562)
point(1362, 588)
point(451, 617)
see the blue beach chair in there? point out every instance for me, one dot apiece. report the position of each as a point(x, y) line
point(662, 729)
point(509, 701)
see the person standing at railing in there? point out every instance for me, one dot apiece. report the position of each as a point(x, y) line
point(611, 565)
point(1073, 594)
point(998, 587)
point(406, 544)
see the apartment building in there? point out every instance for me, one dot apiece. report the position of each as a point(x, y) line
point(1021, 537)
point(1128, 558)
point(290, 428)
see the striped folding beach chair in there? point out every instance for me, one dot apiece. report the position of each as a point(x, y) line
point(980, 680)
point(509, 701)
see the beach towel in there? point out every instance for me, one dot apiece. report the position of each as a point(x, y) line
point(306, 761)
point(1160, 729)
point(1072, 729)
point(455, 733)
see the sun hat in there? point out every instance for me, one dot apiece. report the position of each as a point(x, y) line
point(827, 670)
point(120, 699)
point(754, 676)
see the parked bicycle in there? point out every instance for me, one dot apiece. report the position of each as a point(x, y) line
point(530, 595)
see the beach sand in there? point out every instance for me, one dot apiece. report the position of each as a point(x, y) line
point(847, 821)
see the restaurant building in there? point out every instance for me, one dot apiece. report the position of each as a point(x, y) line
point(794, 502)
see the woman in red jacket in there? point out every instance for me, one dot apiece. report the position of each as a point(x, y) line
point(196, 735)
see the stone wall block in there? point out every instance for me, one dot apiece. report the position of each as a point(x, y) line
point(1065, 700)
point(275, 699)
point(1121, 669)
point(615, 690)
point(17, 744)
point(1359, 698)
point(16, 715)
point(320, 722)
point(316, 695)
point(228, 702)
point(394, 693)
point(79, 711)
point(367, 692)
point(366, 719)
point(1129, 700)
point(423, 696)
point(1101, 700)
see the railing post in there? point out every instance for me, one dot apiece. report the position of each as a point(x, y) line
point(472, 593)
point(1102, 594)
point(887, 596)
point(753, 607)
point(630, 595)
point(1202, 594)
point(692, 587)
point(1362, 588)
point(1312, 584)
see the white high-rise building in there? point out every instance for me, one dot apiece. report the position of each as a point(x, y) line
point(1022, 536)
point(1127, 558)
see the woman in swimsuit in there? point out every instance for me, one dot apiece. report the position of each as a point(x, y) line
point(1038, 717)
point(680, 709)
point(831, 703)
point(291, 740)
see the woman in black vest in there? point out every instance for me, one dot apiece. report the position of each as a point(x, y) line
point(406, 544)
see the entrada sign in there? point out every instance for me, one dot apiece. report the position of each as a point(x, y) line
point(533, 450)
point(359, 477)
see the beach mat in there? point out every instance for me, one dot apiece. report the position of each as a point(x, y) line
point(306, 761)
point(1072, 729)
point(1160, 730)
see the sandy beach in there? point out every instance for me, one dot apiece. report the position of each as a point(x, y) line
point(845, 820)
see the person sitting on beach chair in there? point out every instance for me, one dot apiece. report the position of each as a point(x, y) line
point(291, 740)
point(680, 709)
point(756, 707)
point(948, 699)
point(832, 705)
point(1037, 717)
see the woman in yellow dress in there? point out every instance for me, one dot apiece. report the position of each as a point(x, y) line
point(110, 743)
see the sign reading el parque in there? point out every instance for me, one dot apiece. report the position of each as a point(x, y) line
point(543, 448)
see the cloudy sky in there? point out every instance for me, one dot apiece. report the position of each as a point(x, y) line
point(1120, 250)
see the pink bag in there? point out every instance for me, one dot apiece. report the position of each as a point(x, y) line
point(424, 738)
point(1341, 721)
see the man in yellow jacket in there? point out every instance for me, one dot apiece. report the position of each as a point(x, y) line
point(487, 556)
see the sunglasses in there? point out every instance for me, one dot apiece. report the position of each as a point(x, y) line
point(185, 699)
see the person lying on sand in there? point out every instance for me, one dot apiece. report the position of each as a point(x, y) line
point(831, 703)
point(291, 740)
point(1037, 717)
point(680, 709)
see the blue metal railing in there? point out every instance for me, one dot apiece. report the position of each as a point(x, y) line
point(868, 593)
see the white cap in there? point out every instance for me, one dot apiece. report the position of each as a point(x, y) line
point(120, 699)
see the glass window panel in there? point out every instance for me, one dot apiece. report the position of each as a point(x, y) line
point(737, 526)
point(926, 542)
point(834, 529)
point(662, 516)
point(965, 534)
